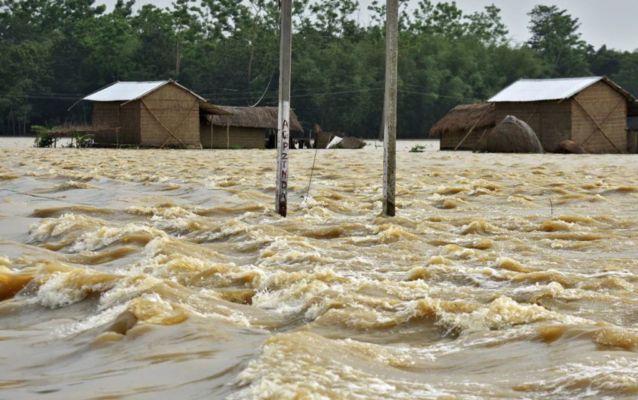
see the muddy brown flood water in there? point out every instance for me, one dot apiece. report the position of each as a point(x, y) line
point(166, 274)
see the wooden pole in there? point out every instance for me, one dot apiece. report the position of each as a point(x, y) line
point(390, 107)
point(283, 120)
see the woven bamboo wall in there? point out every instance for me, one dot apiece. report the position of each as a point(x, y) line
point(129, 124)
point(607, 107)
point(449, 140)
point(106, 115)
point(113, 116)
point(244, 138)
point(172, 108)
point(550, 120)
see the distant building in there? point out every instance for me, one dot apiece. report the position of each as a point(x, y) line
point(632, 131)
point(225, 127)
point(464, 126)
point(592, 112)
point(166, 114)
point(153, 114)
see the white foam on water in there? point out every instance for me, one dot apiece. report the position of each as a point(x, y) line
point(101, 318)
point(57, 291)
point(616, 376)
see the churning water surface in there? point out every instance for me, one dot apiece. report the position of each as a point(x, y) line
point(166, 274)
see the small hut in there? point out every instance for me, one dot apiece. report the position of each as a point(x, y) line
point(632, 128)
point(632, 135)
point(153, 114)
point(464, 126)
point(224, 127)
point(591, 112)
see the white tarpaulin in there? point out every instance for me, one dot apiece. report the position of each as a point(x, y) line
point(334, 142)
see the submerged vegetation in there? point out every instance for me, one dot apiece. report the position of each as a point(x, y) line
point(83, 140)
point(43, 136)
point(55, 51)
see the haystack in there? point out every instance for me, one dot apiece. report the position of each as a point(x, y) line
point(322, 138)
point(511, 136)
point(336, 140)
point(348, 142)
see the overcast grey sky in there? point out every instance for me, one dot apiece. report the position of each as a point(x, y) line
point(611, 22)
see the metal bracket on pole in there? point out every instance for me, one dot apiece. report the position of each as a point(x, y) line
point(283, 121)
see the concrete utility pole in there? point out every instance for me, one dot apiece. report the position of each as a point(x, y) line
point(390, 107)
point(283, 124)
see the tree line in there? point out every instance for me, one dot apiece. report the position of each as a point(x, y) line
point(56, 51)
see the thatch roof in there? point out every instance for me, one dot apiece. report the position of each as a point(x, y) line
point(209, 108)
point(250, 117)
point(464, 117)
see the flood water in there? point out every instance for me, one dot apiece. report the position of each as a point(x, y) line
point(150, 274)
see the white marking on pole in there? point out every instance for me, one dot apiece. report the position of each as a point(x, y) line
point(283, 145)
point(283, 120)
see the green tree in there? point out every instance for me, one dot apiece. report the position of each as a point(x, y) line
point(627, 74)
point(556, 38)
point(488, 26)
point(604, 61)
point(154, 56)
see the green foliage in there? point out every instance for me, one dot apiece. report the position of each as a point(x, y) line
point(83, 140)
point(556, 38)
point(43, 137)
point(55, 51)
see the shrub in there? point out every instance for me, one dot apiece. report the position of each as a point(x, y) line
point(43, 136)
point(83, 140)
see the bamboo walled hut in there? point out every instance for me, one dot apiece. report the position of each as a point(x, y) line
point(464, 125)
point(153, 114)
point(632, 133)
point(592, 112)
point(166, 114)
point(224, 127)
point(632, 127)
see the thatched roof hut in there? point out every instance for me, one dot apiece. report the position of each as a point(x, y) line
point(252, 117)
point(464, 125)
point(591, 111)
point(632, 134)
point(228, 127)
